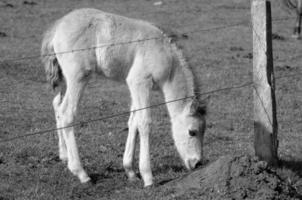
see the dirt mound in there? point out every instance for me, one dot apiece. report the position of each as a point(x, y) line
point(239, 177)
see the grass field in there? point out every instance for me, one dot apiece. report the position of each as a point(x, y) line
point(30, 168)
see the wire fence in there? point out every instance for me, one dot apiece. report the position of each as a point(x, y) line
point(126, 112)
point(198, 30)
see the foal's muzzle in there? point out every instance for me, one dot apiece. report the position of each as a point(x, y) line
point(194, 163)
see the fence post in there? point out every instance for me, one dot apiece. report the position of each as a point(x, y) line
point(265, 119)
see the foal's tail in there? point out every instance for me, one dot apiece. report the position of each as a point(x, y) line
point(52, 67)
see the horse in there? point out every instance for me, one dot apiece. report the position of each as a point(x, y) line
point(89, 41)
point(297, 6)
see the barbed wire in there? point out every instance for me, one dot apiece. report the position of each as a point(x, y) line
point(124, 113)
point(296, 74)
point(117, 44)
point(198, 30)
point(82, 123)
point(149, 107)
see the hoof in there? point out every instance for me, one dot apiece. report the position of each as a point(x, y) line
point(84, 178)
point(132, 176)
point(149, 185)
point(148, 182)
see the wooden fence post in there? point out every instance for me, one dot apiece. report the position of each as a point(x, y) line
point(265, 119)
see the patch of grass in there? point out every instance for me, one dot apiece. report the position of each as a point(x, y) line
point(30, 168)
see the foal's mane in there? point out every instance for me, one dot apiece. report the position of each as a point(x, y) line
point(174, 38)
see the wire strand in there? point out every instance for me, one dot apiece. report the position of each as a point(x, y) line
point(117, 44)
point(123, 113)
point(149, 107)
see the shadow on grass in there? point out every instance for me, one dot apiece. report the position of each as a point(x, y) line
point(294, 165)
point(165, 168)
point(291, 170)
point(6, 198)
point(163, 182)
point(95, 177)
point(107, 172)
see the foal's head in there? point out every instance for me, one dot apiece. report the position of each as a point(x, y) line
point(188, 132)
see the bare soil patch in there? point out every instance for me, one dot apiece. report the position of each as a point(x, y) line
point(236, 177)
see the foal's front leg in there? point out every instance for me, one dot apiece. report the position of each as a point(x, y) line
point(140, 94)
point(144, 151)
point(130, 146)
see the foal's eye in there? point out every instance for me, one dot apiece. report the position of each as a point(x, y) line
point(192, 133)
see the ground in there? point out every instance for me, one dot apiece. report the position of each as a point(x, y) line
point(29, 166)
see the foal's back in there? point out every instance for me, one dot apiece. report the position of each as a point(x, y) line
point(89, 28)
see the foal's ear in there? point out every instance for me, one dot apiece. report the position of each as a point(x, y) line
point(199, 107)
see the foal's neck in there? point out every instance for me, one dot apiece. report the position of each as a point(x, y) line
point(180, 85)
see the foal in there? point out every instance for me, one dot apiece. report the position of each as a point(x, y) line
point(151, 59)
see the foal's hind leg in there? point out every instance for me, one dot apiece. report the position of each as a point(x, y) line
point(140, 93)
point(62, 146)
point(68, 110)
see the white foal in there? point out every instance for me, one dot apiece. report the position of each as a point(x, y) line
point(142, 64)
